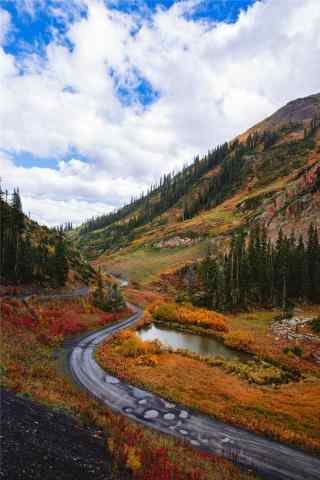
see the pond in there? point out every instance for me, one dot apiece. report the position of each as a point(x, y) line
point(195, 343)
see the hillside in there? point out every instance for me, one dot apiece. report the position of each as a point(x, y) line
point(33, 256)
point(268, 175)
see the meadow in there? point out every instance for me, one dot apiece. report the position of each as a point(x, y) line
point(32, 334)
point(278, 395)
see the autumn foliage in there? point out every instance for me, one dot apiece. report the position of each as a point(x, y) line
point(189, 316)
point(233, 392)
point(129, 344)
point(50, 322)
point(239, 339)
point(30, 332)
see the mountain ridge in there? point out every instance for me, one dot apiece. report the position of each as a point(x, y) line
point(268, 174)
point(301, 109)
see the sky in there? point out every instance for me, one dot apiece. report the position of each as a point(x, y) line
point(98, 98)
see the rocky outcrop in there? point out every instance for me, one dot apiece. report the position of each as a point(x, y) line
point(175, 242)
point(291, 329)
point(293, 208)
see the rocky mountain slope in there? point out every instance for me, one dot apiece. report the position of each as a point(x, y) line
point(269, 174)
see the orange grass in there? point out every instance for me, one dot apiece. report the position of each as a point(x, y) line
point(289, 412)
point(256, 326)
point(189, 315)
point(142, 297)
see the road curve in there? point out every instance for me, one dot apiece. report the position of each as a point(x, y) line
point(271, 459)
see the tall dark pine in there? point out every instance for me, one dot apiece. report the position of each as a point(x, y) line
point(313, 264)
point(25, 261)
point(26, 257)
point(261, 273)
point(61, 267)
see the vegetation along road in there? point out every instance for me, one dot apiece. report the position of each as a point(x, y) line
point(269, 458)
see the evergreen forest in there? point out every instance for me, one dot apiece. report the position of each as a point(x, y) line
point(258, 272)
point(29, 253)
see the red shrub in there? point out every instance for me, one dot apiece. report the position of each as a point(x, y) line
point(27, 321)
point(106, 318)
point(6, 310)
point(65, 324)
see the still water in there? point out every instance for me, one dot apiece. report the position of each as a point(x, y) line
point(188, 341)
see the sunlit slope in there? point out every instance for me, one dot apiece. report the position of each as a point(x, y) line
point(275, 182)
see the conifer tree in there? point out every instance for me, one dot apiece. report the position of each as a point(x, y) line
point(21, 259)
point(260, 273)
point(61, 267)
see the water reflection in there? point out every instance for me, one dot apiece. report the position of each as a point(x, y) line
point(194, 343)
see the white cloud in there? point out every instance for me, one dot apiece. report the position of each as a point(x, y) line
point(4, 24)
point(76, 190)
point(214, 81)
point(58, 212)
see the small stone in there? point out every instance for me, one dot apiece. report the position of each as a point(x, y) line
point(183, 432)
point(142, 402)
point(112, 380)
point(183, 414)
point(169, 405)
point(150, 414)
point(169, 416)
point(195, 443)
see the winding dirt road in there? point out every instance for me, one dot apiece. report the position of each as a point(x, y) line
point(271, 459)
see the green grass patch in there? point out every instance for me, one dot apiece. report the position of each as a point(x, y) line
point(144, 265)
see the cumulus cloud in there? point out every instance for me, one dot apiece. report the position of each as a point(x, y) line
point(213, 80)
point(76, 190)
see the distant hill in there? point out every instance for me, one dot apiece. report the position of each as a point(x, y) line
point(270, 174)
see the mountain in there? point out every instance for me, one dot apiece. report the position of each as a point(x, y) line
point(270, 175)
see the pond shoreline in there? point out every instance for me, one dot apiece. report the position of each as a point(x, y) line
point(187, 339)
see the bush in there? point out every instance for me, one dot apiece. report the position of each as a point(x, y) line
point(148, 360)
point(188, 315)
point(182, 298)
point(239, 339)
point(131, 345)
point(296, 351)
point(166, 313)
point(315, 325)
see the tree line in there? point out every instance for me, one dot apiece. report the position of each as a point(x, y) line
point(256, 271)
point(178, 189)
point(29, 253)
point(233, 167)
point(161, 196)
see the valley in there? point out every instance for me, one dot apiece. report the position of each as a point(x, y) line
point(193, 310)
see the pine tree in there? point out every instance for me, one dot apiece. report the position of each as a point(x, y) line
point(99, 295)
point(116, 298)
point(61, 267)
point(25, 262)
point(262, 273)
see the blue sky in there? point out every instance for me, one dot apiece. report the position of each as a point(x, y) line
point(34, 29)
point(98, 98)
